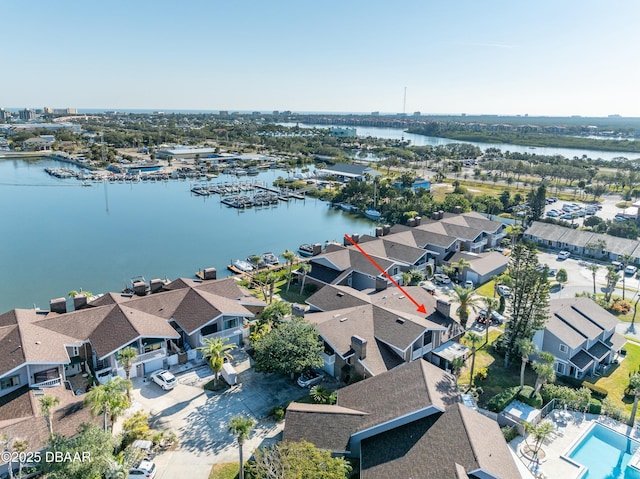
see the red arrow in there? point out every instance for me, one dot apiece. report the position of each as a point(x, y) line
point(421, 308)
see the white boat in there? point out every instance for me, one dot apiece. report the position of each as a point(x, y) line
point(305, 250)
point(242, 265)
point(270, 258)
point(373, 213)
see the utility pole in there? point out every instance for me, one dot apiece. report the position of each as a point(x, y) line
point(404, 102)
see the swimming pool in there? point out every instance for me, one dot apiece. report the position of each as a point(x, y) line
point(605, 453)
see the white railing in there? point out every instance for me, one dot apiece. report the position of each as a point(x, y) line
point(48, 384)
point(227, 333)
point(479, 244)
point(418, 353)
point(158, 353)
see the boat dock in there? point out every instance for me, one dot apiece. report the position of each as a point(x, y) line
point(246, 194)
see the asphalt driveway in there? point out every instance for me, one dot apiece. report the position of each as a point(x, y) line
point(200, 417)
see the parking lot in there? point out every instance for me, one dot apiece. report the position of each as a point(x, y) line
point(200, 418)
point(608, 211)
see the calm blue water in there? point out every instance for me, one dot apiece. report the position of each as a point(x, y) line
point(605, 453)
point(58, 236)
point(422, 140)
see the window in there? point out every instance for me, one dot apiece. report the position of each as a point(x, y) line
point(428, 337)
point(560, 368)
point(230, 323)
point(564, 348)
point(10, 382)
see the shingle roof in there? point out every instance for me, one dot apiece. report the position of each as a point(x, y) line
point(573, 320)
point(394, 250)
point(582, 359)
point(429, 447)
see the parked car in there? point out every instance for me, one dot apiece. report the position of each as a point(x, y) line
point(619, 219)
point(630, 270)
point(496, 317)
point(145, 468)
point(310, 378)
point(504, 290)
point(441, 278)
point(564, 254)
point(617, 265)
point(469, 284)
point(164, 379)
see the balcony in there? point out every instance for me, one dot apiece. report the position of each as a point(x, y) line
point(49, 383)
point(227, 333)
point(418, 353)
point(479, 244)
point(158, 353)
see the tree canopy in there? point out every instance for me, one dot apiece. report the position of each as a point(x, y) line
point(293, 347)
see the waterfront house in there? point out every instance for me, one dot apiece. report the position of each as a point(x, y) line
point(366, 333)
point(345, 172)
point(581, 335)
point(408, 422)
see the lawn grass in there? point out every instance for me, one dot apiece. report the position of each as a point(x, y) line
point(228, 470)
point(499, 378)
point(487, 289)
point(617, 379)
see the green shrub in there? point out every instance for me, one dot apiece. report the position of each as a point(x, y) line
point(595, 406)
point(277, 413)
point(481, 374)
point(509, 433)
point(597, 391)
point(526, 396)
point(501, 400)
point(502, 305)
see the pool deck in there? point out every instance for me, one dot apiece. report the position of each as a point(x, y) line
point(554, 465)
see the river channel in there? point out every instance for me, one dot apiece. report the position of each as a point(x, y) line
point(59, 236)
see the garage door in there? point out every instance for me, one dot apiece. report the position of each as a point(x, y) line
point(472, 276)
point(153, 365)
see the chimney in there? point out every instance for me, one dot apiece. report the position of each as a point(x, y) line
point(457, 209)
point(359, 346)
point(381, 284)
point(209, 273)
point(440, 214)
point(386, 229)
point(355, 237)
point(443, 307)
point(140, 288)
point(316, 249)
point(378, 231)
point(58, 305)
point(418, 220)
point(155, 285)
point(411, 222)
point(79, 301)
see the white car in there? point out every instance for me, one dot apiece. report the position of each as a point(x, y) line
point(146, 469)
point(310, 378)
point(630, 270)
point(164, 379)
point(564, 254)
point(441, 278)
point(504, 290)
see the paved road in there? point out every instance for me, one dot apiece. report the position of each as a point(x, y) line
point(200, 418)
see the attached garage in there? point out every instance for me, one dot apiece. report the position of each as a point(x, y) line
point(153, 365)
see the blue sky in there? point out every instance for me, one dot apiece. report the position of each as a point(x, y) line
point(545, 57)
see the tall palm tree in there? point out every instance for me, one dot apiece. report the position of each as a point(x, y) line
point(467, 299)
point(47, 404)
point(461, 265)
point(240, 427)
point(304, 268)
point(126, 357)
point(594, 269)
point(289, 257)
point(216, 350)
point(544, 369)
point(109, 398)
point(492, 305)
point(634, 382)
point(526, 348)
point(474, 339)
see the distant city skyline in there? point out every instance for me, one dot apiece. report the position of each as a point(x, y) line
point(543, 58)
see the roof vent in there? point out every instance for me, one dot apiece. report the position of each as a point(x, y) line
point(340, 294)
point(342, 320)
point(402, 297)
point(400, 321)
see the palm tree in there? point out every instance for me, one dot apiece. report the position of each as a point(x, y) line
point(474, 339)
point(540, 432)
point(594, 269)
point(289, 257)
point(526, 348)
point(240, 427)
point(406, 278)
point(20, 445)
point(544, 369)
point(109, 398)
point(304, 268)
point(126, 357)
point(216, 350)
point(47, 404)
point(461, 265)
point(467, 299)
point(492, 305)
point(634, 383)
